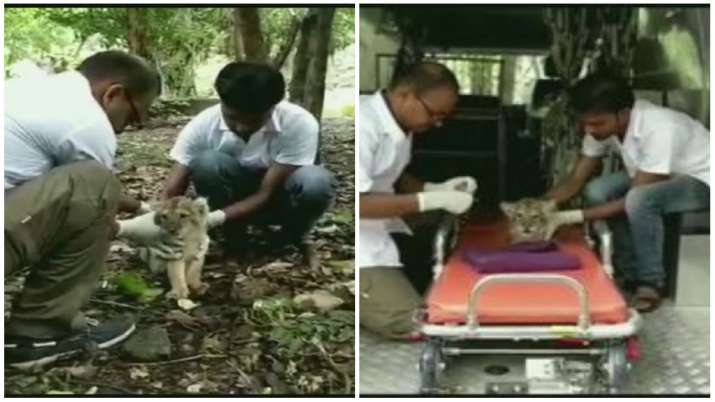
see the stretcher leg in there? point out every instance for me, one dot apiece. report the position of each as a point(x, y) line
point(431, 366)
point(615, 366)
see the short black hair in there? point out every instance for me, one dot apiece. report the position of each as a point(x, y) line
point(250, 87)
point(129, 70)
point(425, 76)
point(601, 93)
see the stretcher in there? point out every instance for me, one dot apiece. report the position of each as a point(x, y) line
point(573, 327)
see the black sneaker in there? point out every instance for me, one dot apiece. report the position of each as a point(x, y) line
point(27, 353)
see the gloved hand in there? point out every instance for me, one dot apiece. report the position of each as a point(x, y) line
point(559, 218)
point(466, 184)
point(456, 202)
point(142, 230)
point(216, 218)
point(144, 207)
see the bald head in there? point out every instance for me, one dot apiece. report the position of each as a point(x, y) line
point(124, 85)
point(133, 72)
point(422, 96)
point(423, 77)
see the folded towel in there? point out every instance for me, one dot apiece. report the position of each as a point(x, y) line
point(522, 257)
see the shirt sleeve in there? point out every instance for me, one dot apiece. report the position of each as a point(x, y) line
point(85, 144)
point(366, 153)
point(190, 141)
point(657, 150)
point(593, 148)
point(298, 142)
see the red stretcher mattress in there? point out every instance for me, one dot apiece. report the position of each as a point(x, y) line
point(522, 303)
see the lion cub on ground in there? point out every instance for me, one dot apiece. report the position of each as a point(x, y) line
point(186, 219)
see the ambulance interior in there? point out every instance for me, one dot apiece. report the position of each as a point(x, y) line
point(509, 86)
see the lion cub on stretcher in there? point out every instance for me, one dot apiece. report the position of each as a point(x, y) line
point(186, 219)
point(528, 219)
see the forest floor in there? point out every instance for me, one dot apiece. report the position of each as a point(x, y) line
point(247, 335)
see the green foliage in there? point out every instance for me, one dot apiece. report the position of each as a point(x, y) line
point(343, 34)
point(109, 23)
point(348, 111)
point(178, 38)
point(30, 34)
point(277, 24)
point(134, 286)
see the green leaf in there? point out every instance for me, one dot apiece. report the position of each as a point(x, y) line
point(134, 286)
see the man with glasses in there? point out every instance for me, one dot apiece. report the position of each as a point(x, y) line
point(418, 99)
point(253, 156)
point(61, 198)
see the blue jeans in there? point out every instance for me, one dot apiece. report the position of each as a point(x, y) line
point(304, 196)
point(638, 235)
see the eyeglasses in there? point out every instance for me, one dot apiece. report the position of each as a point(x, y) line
point(437, 117)
point(136, 118)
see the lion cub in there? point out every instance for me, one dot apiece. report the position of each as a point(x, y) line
point(528, 219)
point(186, 219)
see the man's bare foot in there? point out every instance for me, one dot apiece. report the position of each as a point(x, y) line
point(199, 288)
point(310, 255)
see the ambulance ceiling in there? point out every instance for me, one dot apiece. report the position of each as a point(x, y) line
point(491, 27)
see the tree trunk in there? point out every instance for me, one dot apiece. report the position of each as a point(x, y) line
point(318, 43)
point(286, 44)
point(248, 22)
point(179, 74)
point(301, 58)
point(235, 38)
point(319, 48)
point(137, 37)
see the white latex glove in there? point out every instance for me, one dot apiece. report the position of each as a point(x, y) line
point(144, 208)
point(142, 230)
point(557, 219)
point(216, 218)
point(456, 202)
point(466, 184)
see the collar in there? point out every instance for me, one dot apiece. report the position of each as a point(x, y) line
point(272, 125)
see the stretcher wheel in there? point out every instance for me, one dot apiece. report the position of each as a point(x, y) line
point(431, 366)
point(616, 367)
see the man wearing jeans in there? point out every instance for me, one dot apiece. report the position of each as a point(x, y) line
point(61, 198)
point(667, 159)
point(253, 156)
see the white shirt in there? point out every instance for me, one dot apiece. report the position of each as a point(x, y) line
point(289, 137)
point(659, 140)
point(384, 152)
point(52, 121)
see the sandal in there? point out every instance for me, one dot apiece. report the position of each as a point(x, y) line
point(646, 299)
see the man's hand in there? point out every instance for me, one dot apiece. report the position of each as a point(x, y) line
point(216, 218)
point(466, 184)
point(144, 207)
point(557, 219)
point(456, 202)
point(142, 230)
point(275, 176)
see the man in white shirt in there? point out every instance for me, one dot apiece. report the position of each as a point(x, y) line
point(667, 159)
point(253, 156)
point(61, 198)
point(417, 100)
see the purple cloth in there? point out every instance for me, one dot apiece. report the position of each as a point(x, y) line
point(533, 246)
point(522, 257)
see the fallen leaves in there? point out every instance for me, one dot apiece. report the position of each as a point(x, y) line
point(238, 340)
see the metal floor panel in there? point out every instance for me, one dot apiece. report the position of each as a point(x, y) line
point(675, 360)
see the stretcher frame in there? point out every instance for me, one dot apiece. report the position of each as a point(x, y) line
point(608, 342)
